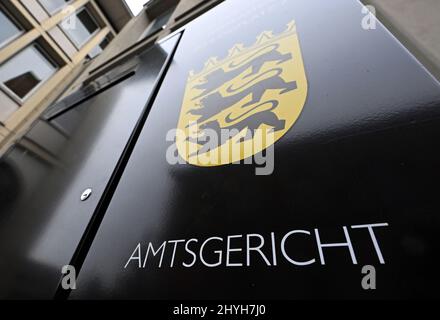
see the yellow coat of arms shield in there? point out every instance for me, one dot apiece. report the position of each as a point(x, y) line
point(237, 107)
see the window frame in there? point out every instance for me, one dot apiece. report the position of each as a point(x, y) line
point(57, 10)
point(14, 22)
point(49, 60)
point(77, 46)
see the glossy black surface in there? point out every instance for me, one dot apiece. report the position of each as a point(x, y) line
point(42, 177)
point(93, 88)
point(364, 150)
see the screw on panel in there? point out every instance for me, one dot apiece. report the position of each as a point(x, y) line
point(86, 194)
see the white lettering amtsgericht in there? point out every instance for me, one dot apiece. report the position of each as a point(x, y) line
point(244, 250)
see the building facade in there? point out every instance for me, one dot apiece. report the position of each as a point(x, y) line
point(158, 19)
point(44, 46)
point(51, 48)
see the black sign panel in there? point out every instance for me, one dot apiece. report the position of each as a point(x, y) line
point(347, 209)
point(43, 177)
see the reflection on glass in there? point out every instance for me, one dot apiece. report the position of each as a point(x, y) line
point(53, 5)
point(83, 28)
point(8, 29)
point(25, 71)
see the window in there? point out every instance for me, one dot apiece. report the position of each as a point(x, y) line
point(26, 71)
point(53, 5)
point(99, 48)
point(96, 51)
point(104, 43)
point(82, 29)
point(8, 29)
